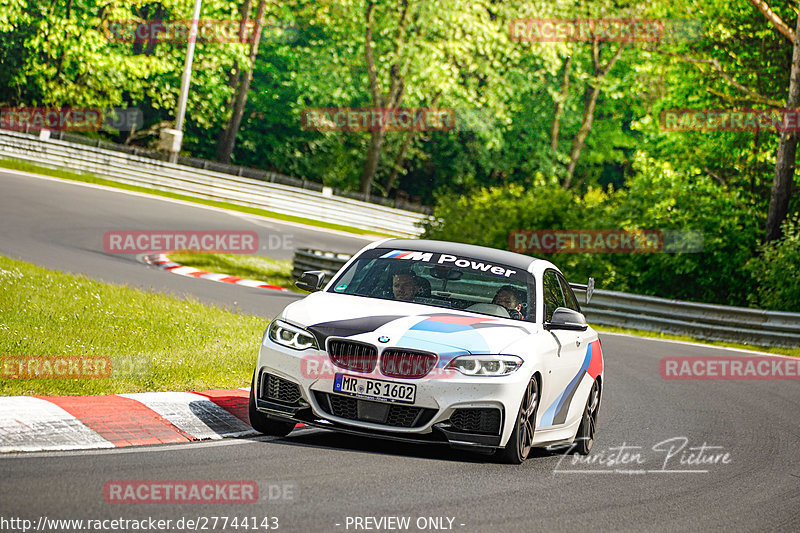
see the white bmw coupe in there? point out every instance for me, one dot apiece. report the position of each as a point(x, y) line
point(437, 342)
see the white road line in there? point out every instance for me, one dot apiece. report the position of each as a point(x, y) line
point(160, 448)
point(687, 343)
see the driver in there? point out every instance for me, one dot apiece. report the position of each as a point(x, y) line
point(508, 297)
point(404, 286)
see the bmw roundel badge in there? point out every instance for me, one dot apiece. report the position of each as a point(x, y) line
point(383, 338)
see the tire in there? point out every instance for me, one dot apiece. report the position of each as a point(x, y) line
point(584, 438)
point(521, 441)
point(262, 422)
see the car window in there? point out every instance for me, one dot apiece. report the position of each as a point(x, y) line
point(553, 297)
point(441, 280)
point(569, 296)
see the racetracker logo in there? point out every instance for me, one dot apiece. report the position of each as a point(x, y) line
point(180, 31)
point(321, 367)
point(55, 367)
point(730, 120)
point(620, 30)
point(377, 119)
point(70, 119)
point(586, 30)
point(181, 492)
point(148, 242)
point(548, 241)
point(50, 118)
point(730, 368)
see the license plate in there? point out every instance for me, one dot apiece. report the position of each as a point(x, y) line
point(374, 389)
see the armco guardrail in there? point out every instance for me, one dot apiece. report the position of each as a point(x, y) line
point(704, 321)
point(612, 308)
point(328, 262)
point(211, 185)
point(238, 170)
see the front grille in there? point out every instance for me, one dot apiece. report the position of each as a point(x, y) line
point(376, 412)
point(476, 421)
point(279, 390)
point(352, 355)
point(400, 363)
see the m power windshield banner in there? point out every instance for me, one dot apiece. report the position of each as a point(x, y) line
point(449, 261)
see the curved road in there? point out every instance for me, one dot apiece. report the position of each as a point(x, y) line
point(60, 224)
point(756, 487)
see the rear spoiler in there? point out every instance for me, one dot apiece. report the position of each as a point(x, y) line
point(587, 287)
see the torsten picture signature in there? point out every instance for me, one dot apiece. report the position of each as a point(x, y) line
point(673, 455)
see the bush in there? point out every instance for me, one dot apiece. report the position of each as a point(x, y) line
point(488, 215)
point(656, 197)
point(776, 271)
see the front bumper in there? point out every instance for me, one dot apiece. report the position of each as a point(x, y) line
point(467, 412)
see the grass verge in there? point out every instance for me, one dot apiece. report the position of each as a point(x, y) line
point(794, 352)
point(255, 267)
point(91, 178)
point(155, 342)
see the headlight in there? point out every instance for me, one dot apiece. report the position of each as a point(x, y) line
point(486, 365)
point(290, 336)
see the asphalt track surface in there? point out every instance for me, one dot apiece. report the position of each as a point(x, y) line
point(60, 225)
point(333, 477)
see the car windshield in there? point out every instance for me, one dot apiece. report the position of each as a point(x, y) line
point(440, 280)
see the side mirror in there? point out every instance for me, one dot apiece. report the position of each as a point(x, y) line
point(588, 287)
point(311, 281)
point(564, 318)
